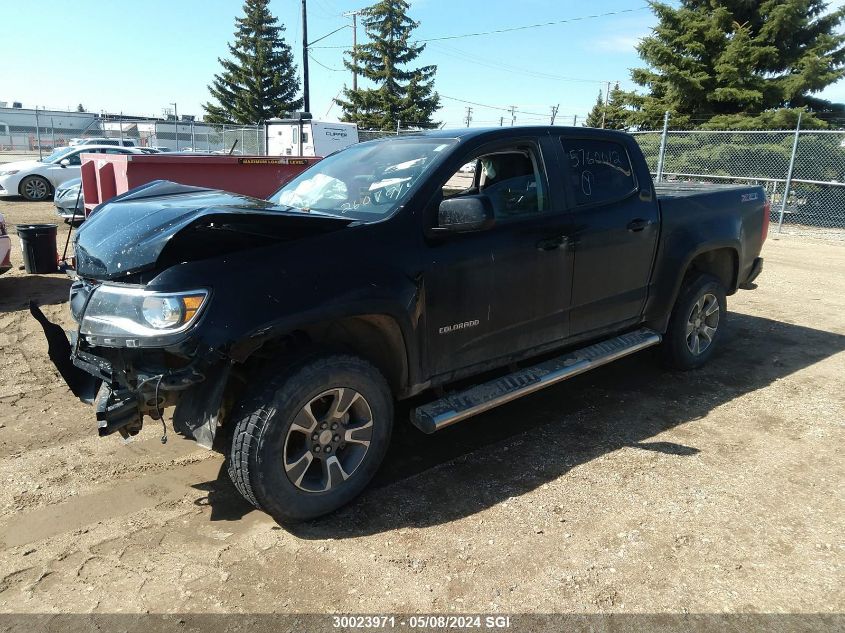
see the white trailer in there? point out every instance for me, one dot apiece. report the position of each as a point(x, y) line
point(306, 137)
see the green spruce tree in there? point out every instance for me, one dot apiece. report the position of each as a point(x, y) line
point(612, 116)
point(594, 116)
point(401, 95)
point(735, 62)
point(259, 82)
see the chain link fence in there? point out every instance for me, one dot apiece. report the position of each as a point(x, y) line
point(810, 164)
point(205, 137)
point(40, 135)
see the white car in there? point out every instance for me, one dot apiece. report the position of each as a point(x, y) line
point(37, 179)
point(5, 247)
point(102, 140)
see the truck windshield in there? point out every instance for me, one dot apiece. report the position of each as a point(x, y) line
point(367, 181)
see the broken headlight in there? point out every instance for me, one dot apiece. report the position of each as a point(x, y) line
point(133, 317)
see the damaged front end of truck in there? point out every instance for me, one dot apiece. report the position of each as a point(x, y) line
point(128, 370)
point(144, 340)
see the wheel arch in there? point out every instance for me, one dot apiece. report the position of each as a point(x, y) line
point(722, 263)
point(374, 337)
point(718, 259)
point(377, 338)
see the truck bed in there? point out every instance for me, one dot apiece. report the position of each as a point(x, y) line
point(667, 190)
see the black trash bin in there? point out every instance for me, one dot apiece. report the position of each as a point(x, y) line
point(38, 243)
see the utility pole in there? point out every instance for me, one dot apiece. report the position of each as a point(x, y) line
point(501, 121)
point(606, 101)
point(469, 116)
point(513, 116)
point(306, 98)
point(555, 108)
point(574, 120)
point(354, 16)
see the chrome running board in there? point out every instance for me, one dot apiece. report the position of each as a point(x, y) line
point(460, 405)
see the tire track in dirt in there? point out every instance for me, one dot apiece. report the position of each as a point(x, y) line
point(104, 504)
point(49, 475)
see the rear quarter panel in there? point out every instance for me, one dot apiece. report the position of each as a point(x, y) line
point(697, 219)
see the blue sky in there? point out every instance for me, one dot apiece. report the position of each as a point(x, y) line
point(137, 57)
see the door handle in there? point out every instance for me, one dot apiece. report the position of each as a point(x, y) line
point(635, 226)
point(553, 243)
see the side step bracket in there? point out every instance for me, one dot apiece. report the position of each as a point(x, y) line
point(460, 405)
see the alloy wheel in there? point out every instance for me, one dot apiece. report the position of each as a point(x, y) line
point(328, 440)
point(35, 189)
point(702, 323)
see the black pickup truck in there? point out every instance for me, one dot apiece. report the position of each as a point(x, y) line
point(288, 327)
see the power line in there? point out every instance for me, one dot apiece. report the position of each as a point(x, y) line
point(517, 28)
point(534, 26)
point(319, 39)
point(511, 109)
point(455, 53)
point(319, 63)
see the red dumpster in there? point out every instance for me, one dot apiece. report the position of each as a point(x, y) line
point(106, 175)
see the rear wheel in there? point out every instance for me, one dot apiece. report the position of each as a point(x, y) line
point(697, 321)
point(311, 439)
point(35, 188)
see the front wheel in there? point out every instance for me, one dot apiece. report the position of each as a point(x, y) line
point(697, 322)
point(35, 188)
point(312, 438)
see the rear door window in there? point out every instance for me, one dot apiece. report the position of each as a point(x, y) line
point(599, 171)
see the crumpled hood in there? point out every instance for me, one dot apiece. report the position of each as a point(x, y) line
point(162, 223)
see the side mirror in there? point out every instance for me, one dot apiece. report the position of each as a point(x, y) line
point(64, 162)
point(465, 214)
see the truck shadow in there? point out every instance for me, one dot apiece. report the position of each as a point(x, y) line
point(434, 479)
point(17, 291)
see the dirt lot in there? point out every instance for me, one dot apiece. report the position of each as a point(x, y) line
point(627, 489)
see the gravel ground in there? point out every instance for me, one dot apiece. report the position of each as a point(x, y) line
point(629, 489)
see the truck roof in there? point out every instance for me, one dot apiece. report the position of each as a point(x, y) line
point(512, 131)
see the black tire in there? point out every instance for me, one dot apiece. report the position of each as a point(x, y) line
point(679, 344)
point(265, 439)
point(35, 188)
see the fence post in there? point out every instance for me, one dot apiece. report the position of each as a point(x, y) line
point(789, 173)
point(662, 153)
point(38, 133)
point(267, 140)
